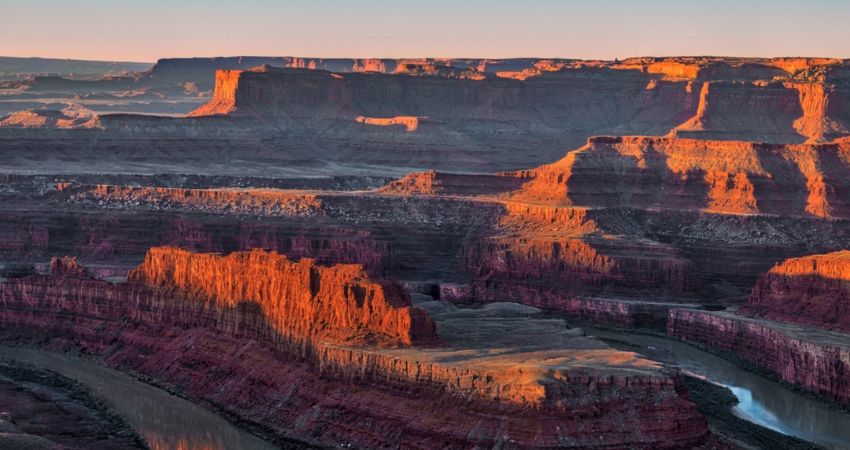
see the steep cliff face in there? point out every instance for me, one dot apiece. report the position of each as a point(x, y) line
point(300, 299)
point(713, 176)
point(582, 396)
point(547, 255)
point(812, 290)
point(816, 361)
point(287, 113)
point(769, 111)
point(758, 111)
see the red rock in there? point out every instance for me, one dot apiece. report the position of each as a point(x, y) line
point(688, 174)
point(817, 362)
point(301, 300)
point(372, 398)
point(811, 290)
point(440, 183)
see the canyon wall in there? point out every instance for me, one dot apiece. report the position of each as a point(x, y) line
point(479, 114)
point(818, 362)
point(811, 290)
point(300, 300)
point(588, 397)
point(688, 174)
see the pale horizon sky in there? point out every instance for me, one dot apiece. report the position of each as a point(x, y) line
point(146, 30)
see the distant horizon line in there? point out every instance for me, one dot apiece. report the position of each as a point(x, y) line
point(422, 57)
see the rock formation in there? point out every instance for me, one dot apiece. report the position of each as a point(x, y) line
point(813, 360)
point(303, 112)
point(811, 290)
point(181, 320)
point(409, 123)
point(67, 266)
point(440, 183)
point(689, 174)
point(299, 300)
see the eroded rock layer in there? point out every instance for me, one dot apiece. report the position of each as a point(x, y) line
point(300, 300)
point(587, 396)
point(689, 174)
point(816, 361)
point(812, 290)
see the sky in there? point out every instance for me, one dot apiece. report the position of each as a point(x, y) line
point(146, 30)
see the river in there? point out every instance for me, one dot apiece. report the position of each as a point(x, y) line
point(165, 421)
point(761, 401)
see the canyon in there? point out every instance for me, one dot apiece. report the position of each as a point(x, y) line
point(547, 395)
point(406, 253)
point(296, 112)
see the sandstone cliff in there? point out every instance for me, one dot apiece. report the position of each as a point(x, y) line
point(713, 176)
point(300, 300)
point(290, 113)
point(190, 336)
point(811, 290)
point(815, 361)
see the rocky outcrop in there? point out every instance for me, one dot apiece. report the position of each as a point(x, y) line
point(67, 266)
point(688, 174)
point(811, 290)
point(816, 361)
point(46, 118)
point(585, 396)
point(441, 183)
point(410, 123)
point(300, 300)
point(258, 202)
point(629, 314)
point(285, 113)
point(757, 111)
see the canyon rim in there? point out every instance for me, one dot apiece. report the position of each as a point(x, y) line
point(257, 252)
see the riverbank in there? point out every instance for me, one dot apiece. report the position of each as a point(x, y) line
point(164, 420)
point(767, 407)
point(43, 409)
point(716, 403)
point(811, 359)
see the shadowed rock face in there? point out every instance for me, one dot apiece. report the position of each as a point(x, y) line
point(450, 114)
point(811, 290)
point(814, 360)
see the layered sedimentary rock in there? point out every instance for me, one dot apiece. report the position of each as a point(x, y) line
point(49, 118)
point(301, 117)
point(260, 202)
point(690, 174)
point(440, 183)
point(586, 395)
point(811, 290)
point(816, 361)
point(300, 299)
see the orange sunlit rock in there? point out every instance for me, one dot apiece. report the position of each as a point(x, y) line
point(812, 290)
point(300, 299)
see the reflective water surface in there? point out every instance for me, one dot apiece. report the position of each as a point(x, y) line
point(761, 401)
point(165, 421)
